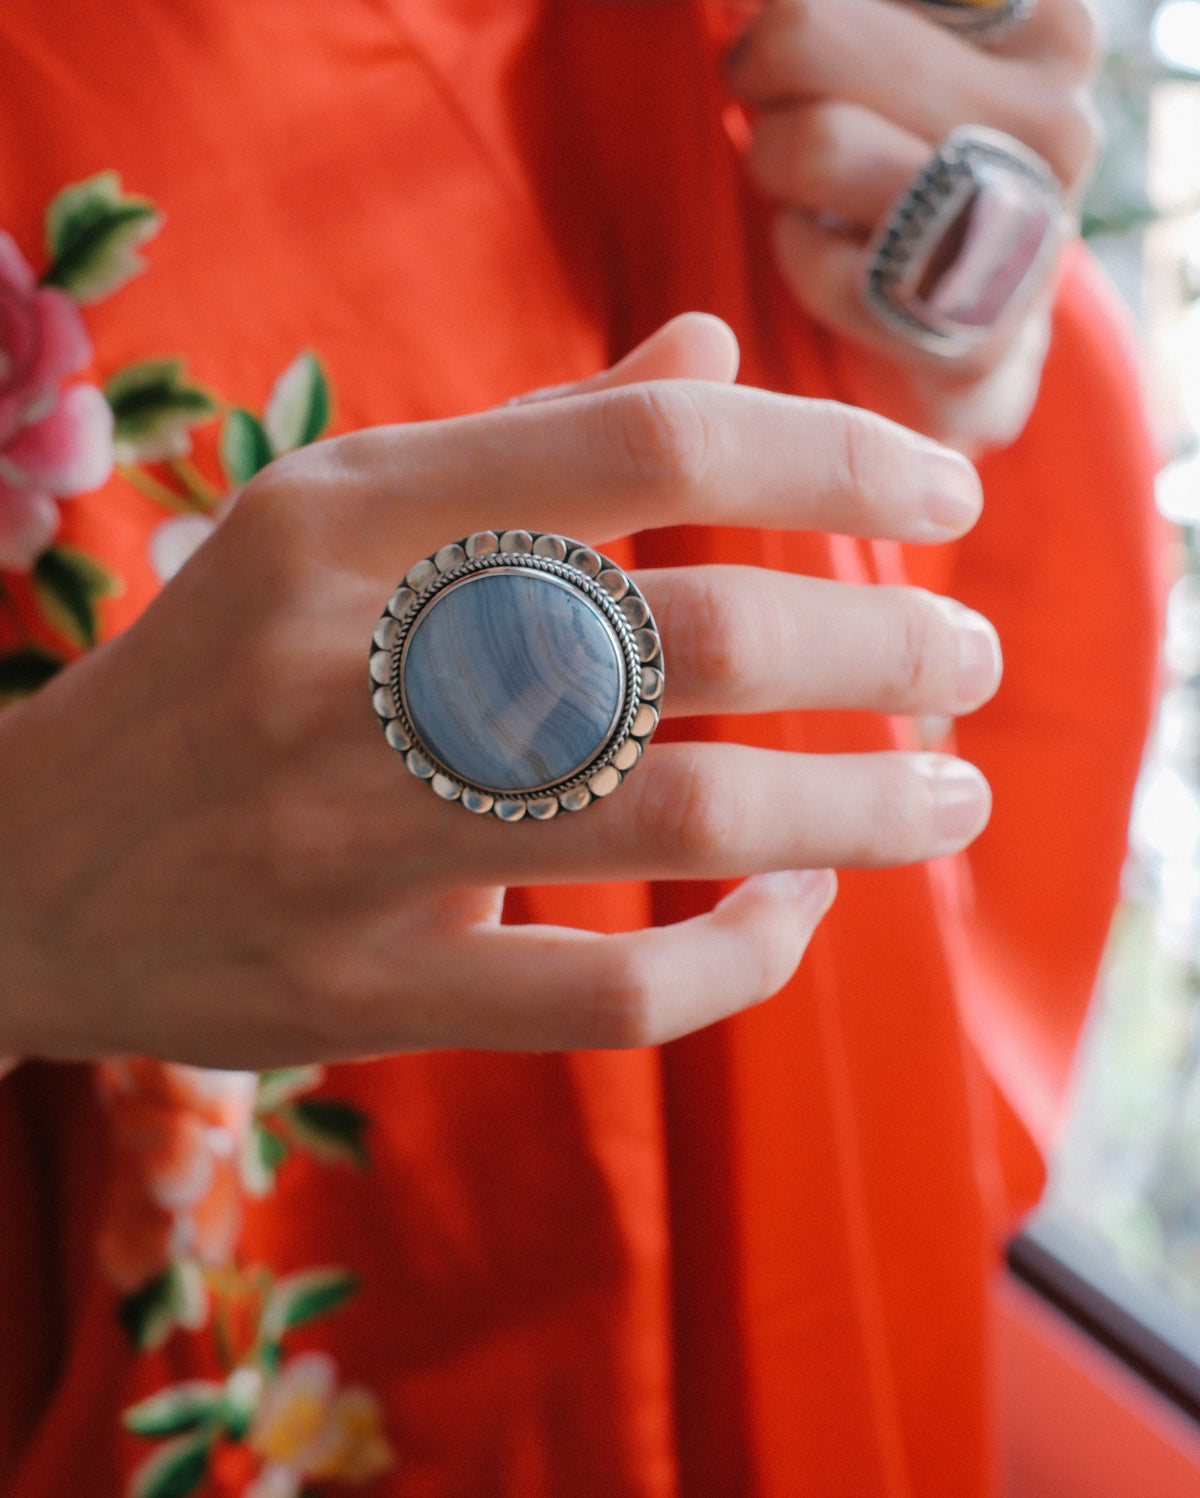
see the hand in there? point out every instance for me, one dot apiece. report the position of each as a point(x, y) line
point(210, 854)
point(851, 97)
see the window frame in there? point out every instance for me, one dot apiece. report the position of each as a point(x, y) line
point(1076, 1420)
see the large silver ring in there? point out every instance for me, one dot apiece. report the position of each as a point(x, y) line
point(518, 672)
point(968, 242)
point(987, 20)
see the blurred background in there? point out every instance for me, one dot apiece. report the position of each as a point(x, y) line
point(1125, 1187)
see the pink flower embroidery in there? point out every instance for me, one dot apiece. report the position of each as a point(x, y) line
point(175, 1192)
point(54, 443)
point(308, 1428)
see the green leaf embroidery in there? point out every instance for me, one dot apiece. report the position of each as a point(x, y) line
point(93, 231)
point(262, 1154)
point(245, 449)
point(68, 584)
point(176, 1297)
point(303, 1297)
point(298, 410)
point(243, 1390)
point(154, 408)
point(330, 1130)
point(283, 1083)
point(23, 671)
point(175, 1470)
point(179, 1408)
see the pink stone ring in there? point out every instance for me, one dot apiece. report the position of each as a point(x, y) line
point(969, 242)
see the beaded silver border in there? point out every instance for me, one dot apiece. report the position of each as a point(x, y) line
point(988, 24)
point(927, 209)
point(610, 589)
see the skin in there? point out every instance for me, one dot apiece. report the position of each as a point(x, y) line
point(216, 858)
point(848, 99)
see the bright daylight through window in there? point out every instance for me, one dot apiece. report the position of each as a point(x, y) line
point(1119, 1236)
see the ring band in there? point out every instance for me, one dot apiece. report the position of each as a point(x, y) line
point(988, 20)
point(969, 240)
point(518, 672)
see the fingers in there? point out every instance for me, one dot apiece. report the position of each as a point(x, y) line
point(898, 64)
point(824, 270)
point(719, 811)
point(550, 989)
point(692, 346)
point(608, 464)
point(689, 811)
point(741, 640)
point(834, 158)
point(1063, 31)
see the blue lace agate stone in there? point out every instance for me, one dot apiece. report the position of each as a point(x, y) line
point(514, 680)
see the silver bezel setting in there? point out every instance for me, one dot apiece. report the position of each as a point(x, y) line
point(612, 594)
point(927, 209)
point(988, 24)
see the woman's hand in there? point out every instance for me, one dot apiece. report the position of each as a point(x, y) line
point(208, 852)
point(850, 99)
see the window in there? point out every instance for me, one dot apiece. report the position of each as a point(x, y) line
point(1117, 1242)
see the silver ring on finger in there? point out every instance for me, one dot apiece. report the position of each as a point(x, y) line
point(518, 672)
point(969, 241)
point(985, 20)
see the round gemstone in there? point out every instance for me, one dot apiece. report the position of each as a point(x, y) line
point(513, 680)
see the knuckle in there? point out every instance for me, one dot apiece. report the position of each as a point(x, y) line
point(270, 496)
point(694, 818)
point(772, 958)
point(919, 631)
point(771, 54)
point(818, 142)
point(660, 434)
point(860, 447)
point(265, 528)
point(318, 852)
point(724, 650)
point(793, 152)
point(288, 687)
point(1080, 35)
point(1074, 127)
point(903, 812)
point(327, 1005)
point(626, 1003)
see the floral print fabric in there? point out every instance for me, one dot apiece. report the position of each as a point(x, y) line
point(189, 1146)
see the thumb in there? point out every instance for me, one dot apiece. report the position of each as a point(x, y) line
point(693, 346)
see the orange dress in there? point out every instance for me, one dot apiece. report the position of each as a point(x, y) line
point(754, 1262)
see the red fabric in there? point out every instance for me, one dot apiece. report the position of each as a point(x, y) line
point(754, 1263)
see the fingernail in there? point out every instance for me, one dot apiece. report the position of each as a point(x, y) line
point(813, 889)
point(953, 494)
point(963, 801)
point(979, 660)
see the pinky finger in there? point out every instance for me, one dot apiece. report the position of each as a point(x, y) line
point(554, 989)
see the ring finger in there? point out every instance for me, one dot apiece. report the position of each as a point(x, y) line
point(745, 640)
point(834, 158)
point(720, 811)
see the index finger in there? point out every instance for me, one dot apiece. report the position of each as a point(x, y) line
point(603, 465)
